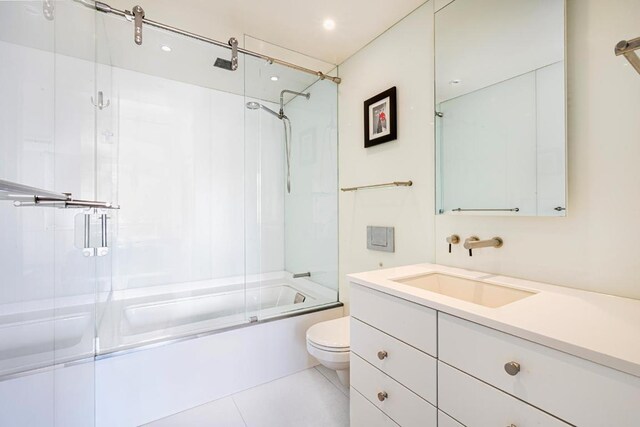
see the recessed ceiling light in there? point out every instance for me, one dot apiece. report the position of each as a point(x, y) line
point(165, 48)
point(274, 78)
point(329, 24)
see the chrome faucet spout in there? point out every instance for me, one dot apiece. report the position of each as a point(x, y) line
point(474, 242)
point(298, 275)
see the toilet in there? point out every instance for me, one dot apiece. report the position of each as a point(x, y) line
point(328, 342)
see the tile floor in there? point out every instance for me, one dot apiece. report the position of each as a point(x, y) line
point(309, 398)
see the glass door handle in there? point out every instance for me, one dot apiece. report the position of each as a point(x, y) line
point(93, 244)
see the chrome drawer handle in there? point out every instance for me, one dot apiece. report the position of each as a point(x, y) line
point(382, 396)
point(512, 368)
point(382, 355)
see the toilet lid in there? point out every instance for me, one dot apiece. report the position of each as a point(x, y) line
point(331, 334)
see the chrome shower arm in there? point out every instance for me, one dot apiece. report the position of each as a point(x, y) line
point(293, 92)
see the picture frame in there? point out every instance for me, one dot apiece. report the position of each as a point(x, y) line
point(380, 118)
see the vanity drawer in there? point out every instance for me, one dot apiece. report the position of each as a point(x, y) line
point(445, 420)
point(573, 389)
point(475, 403)
point(365, 414)
point(410, 367)
point(412, 323)
point(401, 404)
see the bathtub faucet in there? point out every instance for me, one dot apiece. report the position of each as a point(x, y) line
point(298, 275)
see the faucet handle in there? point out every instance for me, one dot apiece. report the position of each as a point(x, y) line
point(470, 240)
point(454, 239)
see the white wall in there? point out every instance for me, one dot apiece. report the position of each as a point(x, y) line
point(199, 181)
point(401, 57)
point(595, 246)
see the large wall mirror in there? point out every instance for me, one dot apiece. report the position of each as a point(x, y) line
point(500, 108)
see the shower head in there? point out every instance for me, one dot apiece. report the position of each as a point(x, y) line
point(225, 64)
point(256, 105)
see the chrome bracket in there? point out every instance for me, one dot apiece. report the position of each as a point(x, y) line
point(138, 16)
point(48, 9)
point(100, 102)
point(233, 42)
point(627, 49)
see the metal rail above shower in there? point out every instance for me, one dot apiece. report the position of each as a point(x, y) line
point(139, 19)
point(24, 195)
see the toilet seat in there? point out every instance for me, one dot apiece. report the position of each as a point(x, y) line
point(329, 349)
point(330, 336)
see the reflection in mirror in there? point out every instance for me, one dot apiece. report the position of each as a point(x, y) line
point(500, 107)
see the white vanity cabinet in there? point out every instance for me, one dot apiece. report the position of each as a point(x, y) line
point(393, 364)
point(575, 390)
point(414, 365)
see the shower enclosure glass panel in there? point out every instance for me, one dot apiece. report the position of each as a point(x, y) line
point(200, 242)
point(172, 141)
point(47, 285)
point(291, 197)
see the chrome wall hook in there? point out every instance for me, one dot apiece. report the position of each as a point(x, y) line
point(100, 103)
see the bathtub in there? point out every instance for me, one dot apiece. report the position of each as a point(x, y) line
point(140, 317)
point(44, 337)
point(54, 341)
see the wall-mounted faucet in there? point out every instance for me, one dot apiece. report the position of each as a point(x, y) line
point(454, 239)
point(299, 275)
point(474, 242)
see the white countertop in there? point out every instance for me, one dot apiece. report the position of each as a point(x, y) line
point(601, 328)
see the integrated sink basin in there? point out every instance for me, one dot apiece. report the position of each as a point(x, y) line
point(474, 291)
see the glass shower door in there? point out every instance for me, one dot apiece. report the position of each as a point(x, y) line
point(291, 189)
point(170, 152)
point(47, 284)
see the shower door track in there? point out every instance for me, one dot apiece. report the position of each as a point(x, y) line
point(190, 336)
point(139, 19)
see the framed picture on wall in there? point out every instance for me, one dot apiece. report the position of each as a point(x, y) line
point(380, 118)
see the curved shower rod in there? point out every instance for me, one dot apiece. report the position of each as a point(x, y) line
point(141, 19)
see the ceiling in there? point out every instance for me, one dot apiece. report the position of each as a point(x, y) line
point(278, 28)
point(293, 24)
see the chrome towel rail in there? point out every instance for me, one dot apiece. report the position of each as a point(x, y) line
point(628, 48)
point(386, 184)
point(14, 191)
point(486, 210)
point(24, 195)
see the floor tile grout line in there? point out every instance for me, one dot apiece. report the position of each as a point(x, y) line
point(239, 411)
point(270, 381)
